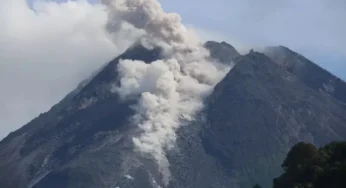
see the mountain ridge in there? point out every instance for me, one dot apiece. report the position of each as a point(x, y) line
point(308, 72)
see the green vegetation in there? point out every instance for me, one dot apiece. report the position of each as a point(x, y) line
point(307, 166)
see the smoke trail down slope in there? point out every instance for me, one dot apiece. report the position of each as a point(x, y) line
point(171, 90)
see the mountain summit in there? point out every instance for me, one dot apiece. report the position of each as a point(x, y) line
point(309, 73)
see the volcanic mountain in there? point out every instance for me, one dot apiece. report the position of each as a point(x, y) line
point(263, 106)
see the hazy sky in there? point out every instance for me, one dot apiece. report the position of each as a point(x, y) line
point(315, 28)
point(46, 52)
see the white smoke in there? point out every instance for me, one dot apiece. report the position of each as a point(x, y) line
point(149, 16)
point(171, 90)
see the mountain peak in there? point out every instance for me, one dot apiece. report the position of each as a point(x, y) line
point(308, 72)
point(278, 53)
point(223, 51)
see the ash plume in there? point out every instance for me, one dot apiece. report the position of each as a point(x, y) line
point(171, 90)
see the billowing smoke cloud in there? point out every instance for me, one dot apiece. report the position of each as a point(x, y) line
point(149, 16)
point(171, 90)
point(41, 43)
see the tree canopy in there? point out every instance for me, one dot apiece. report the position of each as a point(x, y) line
point(307, 166)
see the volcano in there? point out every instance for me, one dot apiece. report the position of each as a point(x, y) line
point(264, 105)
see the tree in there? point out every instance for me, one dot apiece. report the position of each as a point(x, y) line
point(306, 166)
point(301, 154)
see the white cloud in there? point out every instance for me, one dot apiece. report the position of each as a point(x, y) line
point(45, 53)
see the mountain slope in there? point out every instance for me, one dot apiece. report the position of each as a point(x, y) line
point(83, 141)
point(259, 111)
point(88, 123)
point(309, 73)
point(255, 114)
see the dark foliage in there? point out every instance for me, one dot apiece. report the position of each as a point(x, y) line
point(257, 186)
point(309, 167)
